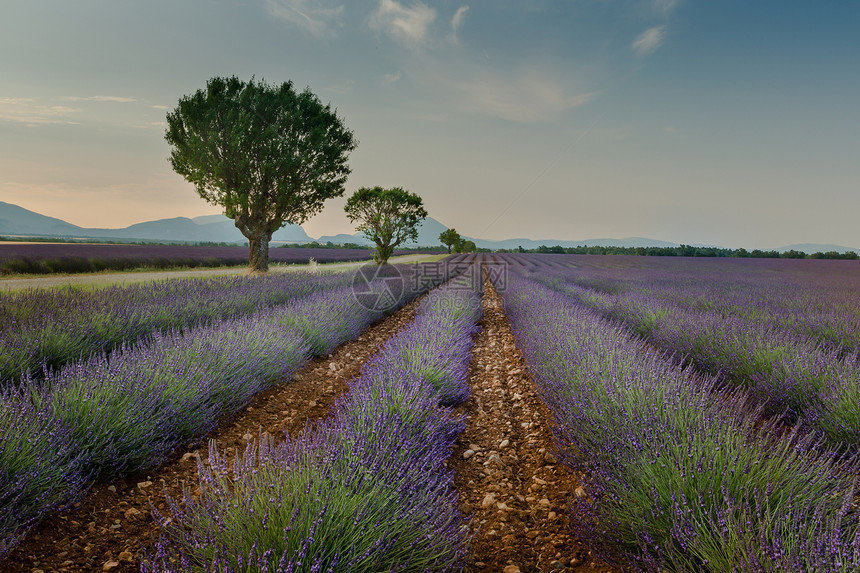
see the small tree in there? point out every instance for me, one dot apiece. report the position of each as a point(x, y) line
point(388, 217)
point(265, 153)
point(449, 238)
point(465, 246)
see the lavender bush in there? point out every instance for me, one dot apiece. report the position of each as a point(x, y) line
point(375, 500)
point(681, 477)
point(365, 490)
point(129, 410)
point(326, 320)
point(40, 470)
point(436, 347)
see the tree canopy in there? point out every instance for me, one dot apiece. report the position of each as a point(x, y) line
point(466, 246)
point(450, 238)
point(388, 217)
point(268, 154)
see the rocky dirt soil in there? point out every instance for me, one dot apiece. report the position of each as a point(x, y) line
point(108, 530)
point(510, 483)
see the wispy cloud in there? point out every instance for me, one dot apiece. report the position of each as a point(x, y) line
point(161, 107)
point(316, 17)
point(524, 98)
point(391, 78)
point(115, 99)
point(649, 40)
point(27, 111)
point(665, 7)
point(409, 25)
point(457, 20)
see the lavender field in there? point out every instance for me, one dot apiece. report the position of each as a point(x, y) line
point(706, 414)
point(713, 406)
point(114, 404)
point(786, 332)
point(41, 258)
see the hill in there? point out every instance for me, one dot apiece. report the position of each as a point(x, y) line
point(15, 221)
point(810, 248)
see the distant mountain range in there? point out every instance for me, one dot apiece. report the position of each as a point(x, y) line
point(810, 248)
point(430, 229)
point(16, 221)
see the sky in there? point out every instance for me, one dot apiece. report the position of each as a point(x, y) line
point(731, 122)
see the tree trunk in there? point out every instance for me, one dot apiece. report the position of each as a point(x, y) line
point(259, 255)
point(382, 253)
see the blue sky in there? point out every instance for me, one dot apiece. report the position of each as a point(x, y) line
point(718, 122)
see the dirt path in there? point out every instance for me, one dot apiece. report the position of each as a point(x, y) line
point(508, 478)
point(107, 531)
point(131, 277)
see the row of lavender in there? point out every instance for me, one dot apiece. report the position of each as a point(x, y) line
point(816, 299)
point(47, 328)
point(753, 331)
point(680, 477)
point(38, 258)
point(365, 490)
point(111, 414)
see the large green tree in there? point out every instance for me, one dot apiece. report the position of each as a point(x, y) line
point(267, 154)
point(388, 217)
point(450, 238)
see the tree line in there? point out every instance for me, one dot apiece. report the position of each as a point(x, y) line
point(684, 251)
